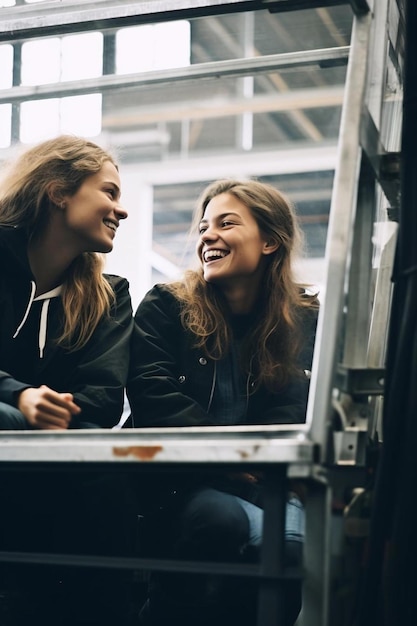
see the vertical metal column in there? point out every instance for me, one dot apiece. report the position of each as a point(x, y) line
point(245, 85)
point(270, 599)
point(339, 238)
point(317, 552)
point(359, 286)
point(17, 70)
point(341, 234)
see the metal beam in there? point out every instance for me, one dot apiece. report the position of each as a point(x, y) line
point(236, 67)
point(360, 7)
point(221, 107)
point(306, 158)
point(342, 216)
point(59, 18)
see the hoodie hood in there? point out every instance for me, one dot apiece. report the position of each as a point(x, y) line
point(13, 253)
point(13, 247)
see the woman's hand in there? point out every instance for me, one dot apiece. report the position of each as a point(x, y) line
point(47, 409)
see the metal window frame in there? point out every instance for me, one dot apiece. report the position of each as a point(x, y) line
point(218, 69)
point(26, 20)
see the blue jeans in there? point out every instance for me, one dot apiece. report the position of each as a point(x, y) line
point(218, 526)
point(214, 522)
point(294, 520)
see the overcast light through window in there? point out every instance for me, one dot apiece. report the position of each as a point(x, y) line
point(78, 57)
point(153, 47)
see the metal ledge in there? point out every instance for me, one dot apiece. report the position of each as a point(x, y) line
point(208, 445)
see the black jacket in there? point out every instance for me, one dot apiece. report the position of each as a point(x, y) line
point(171, 383)
point(29, 357)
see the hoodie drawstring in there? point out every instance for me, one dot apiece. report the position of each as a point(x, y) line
point(32, 297)
point(43, 324)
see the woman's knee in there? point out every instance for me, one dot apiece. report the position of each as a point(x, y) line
point(214, 524)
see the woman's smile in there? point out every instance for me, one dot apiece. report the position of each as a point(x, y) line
point(231, 246)
point(213, 254)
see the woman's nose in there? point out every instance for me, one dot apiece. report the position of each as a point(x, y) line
point(121, 212)
point(209, 234)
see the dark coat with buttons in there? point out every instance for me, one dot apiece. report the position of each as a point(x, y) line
point(171, 382)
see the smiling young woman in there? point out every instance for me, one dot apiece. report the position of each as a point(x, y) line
point(65, 330)
point(229, 344)
point(233, 251)
point(65, 326)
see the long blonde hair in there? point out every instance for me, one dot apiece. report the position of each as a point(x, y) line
point(54, 168)
point(271, 349)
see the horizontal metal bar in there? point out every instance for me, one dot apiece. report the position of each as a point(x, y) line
point(296, 100)
point(361, 381)
point(288, 160)
point(209, 445)
point(246, 570)
point(60, 18)
point(279, 6)
point(218, 69)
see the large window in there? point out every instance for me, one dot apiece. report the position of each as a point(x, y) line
point(183, 101)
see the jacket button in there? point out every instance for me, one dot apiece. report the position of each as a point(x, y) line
point(181, 379)
point(202, 361)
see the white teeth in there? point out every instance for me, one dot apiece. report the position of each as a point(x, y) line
point(110, 225)
point(214, 254)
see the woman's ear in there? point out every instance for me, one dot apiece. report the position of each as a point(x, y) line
point(55, 196)
point(270, 246)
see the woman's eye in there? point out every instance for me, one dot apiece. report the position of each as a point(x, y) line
point(226, 223)
point(202, 230)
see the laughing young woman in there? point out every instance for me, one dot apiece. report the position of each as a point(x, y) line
point(65, 331)
point(229, 344)
point(64, 325)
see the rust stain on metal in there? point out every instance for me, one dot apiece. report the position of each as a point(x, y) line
point(144, 453)
point(247, 454)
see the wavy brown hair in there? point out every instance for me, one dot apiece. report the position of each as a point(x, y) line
point(53, 169)
point(271, 350)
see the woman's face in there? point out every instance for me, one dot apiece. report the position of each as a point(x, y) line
point(231, 247)
point(92, 214)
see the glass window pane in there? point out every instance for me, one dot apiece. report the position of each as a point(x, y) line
point(5, 125)
point(153, 47)
point(82, 56)
point(81, 115)
point(41, 62)
point(210, 117)
point(6, 65)
point(39, 120)
point(279, 123)
point(69, 58)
